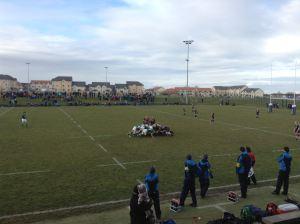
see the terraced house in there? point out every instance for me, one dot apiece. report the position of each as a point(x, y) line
point(78, 88)
point(40, 86)
point(135, 87)
point(62, 84)
point(8, 83)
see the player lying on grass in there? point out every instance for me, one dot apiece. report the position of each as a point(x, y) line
point(24, 121)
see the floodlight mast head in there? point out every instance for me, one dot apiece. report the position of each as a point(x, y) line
point(188, 41)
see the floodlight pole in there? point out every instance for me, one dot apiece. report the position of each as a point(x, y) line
point(271, 83)
point(187, 42)
point(28, 63)
point(106, 73)
point(295, 83)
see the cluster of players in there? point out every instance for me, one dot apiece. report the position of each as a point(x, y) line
point(150, 128)
point(146, 195)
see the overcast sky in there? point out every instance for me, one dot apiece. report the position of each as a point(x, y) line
point(235, 41)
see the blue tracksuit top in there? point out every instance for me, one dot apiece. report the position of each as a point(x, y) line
point(284, 161)
point(190, 169)
point(204, 171)
point(240, 166)
point(151, 182)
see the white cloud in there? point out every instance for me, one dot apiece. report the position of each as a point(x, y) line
point(234, 40)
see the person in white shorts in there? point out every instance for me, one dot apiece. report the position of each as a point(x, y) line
point(24, 121)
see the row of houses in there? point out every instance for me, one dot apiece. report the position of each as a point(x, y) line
point(232, 91)
point(65, 84)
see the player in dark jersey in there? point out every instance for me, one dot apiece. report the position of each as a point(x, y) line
point(195, 113)
point(257, 113)
point(184, 111)
point(24, 121)
point(212, 119)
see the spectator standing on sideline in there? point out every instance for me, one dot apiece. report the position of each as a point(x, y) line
point(190, 171)
point(204, 175)
point(151, 182)
point(284, 160)
point(243, 167)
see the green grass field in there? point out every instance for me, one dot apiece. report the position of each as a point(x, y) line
point(68, 155)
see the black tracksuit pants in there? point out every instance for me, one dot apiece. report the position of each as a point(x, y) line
point(243, 180)
point(156, 202)
point(204, 185)
point(188, 186)
point(283, 178)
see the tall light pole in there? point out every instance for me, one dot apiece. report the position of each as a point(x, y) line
point(187, 42)
point(28, 63)
point(294, 106)
point(270, 106)
point(106, 73)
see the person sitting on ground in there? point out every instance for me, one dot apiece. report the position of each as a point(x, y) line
point(204, 175)
point(146, 120)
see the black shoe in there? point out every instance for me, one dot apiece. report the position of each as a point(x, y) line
point(275, 193)
point(284, 193)
point(193, 205)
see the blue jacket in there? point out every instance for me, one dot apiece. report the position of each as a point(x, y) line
point(243, 163)
point(204, 169)
point(151, 182)
point(284, 161)
point(190, 169)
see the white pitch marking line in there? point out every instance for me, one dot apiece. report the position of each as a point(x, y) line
point(104, 149)
point(139, 181)
point(6, 111)
point(214, 205)
point(223, 155)
point(280, 150)
point(116, 202)
point(26, 172)
point(118, 162)
point(91, 138)
point(219, 208)
point(127, 163)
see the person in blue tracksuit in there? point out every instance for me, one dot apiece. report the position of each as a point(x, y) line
point(284, 161)
point(243, 166)
point(151, 182)
point(190, 172)
point(204, 174)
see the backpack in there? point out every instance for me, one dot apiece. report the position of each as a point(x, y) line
point(246, 214)
point(271, 209)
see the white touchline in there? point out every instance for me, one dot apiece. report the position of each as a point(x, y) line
point(25, 172)
point(104, 149)
point(223, 155)
point(229, 124)
point(139, 181)
point(118, 162)
point(5, 111)
point(127, 163)
point(91, 138)
point(219, 208)
point(119, 201)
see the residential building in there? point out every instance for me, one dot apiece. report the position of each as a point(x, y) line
point(228, 90)
point(252, 92)
point(158, 90)
point(121, 89)
point(191, 91)
point(79, 87)
point(62, 84)
point(135, 87)
point(100, 88)
point(8, 83)
point(40, 86)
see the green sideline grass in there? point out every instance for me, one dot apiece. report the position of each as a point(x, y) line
point(259, 197)
point(69, 159)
